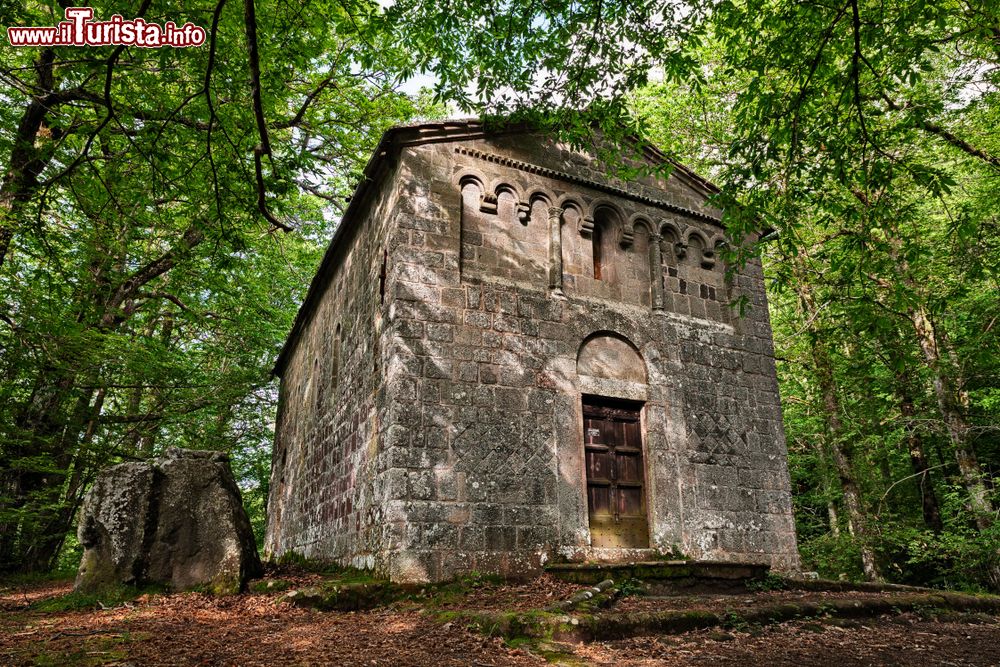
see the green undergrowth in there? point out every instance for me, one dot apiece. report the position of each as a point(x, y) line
point(295, 562)
point(455, 591)
point(218, 588)
point(33, 578)
point(735, 621)
point(770, 582)
point(350, 575)
point(270, 586)
point(536, 624)
point(631, 588)
point(348, 589)
point(108, 597)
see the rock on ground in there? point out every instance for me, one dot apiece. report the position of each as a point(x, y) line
point(177, 520)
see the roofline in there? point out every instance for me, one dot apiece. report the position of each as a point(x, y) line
point(388, 148)
point(393, 140)
point(655, 153)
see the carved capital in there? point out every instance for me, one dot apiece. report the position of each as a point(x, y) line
point(555, 212)
point(488, 203)
point(523, 212)
point(626, 236)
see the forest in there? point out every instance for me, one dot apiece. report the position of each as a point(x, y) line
point(162, 212)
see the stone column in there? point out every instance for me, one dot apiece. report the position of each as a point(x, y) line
point(555, 249)
point(656, 271)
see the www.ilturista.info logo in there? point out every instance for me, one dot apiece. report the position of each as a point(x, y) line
point(79, 29)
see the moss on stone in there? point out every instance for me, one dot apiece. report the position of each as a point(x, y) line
point(270, 586)
point(339, 596)
point(292, 560)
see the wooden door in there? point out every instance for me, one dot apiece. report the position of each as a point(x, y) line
point(616, 497)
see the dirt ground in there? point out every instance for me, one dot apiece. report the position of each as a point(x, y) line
point(902, 640)
point(737, 602)
point(537, 594)
point(254, 629)
point(249, 629)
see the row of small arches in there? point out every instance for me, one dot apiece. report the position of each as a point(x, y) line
point(589, 213)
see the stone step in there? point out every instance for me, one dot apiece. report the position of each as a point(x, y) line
point(612, 625)
point(665, 577)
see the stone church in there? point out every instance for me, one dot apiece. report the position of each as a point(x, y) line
point(509, 358)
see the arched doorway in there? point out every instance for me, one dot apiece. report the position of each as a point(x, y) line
point(612, 441)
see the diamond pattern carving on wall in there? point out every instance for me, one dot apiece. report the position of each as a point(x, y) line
point(715, 434)
point(509, 449)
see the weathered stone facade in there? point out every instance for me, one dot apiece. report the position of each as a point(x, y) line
point(508, 357)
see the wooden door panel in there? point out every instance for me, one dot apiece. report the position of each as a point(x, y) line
point(629, 468)
point(599, 465)
point(632, 434)
point(599, 500)
point(632, 533)
point(615, 476)
point(628, 502)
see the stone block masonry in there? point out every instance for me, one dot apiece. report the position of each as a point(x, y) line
point(508, 358)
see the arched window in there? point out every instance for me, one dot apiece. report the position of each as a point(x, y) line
point(336, 360)
point(381, 276)
point(598, 252)
point(607, 226)
point(320, 384)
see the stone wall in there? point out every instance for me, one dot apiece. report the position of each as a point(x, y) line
point(470, 456)
point(491, 449)
point(328, 480)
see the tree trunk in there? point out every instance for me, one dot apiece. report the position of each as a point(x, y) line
point(148, 440)
point(26, 160)
point(839, 446)
point(956, 426)
point(947, 393)
point(918, 458)
point(36, 470)
point(831, 513)
point(842, 451)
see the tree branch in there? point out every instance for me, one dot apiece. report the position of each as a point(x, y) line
point(856, 67)
point(163, 295)
point(933, 128)
point(106, 101)
point(250, 22)
point(130, 286)
point(264, 147)
point(300, 114)
point(827, 34)
point(154, 416)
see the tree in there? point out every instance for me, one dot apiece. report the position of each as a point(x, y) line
point(143, 218)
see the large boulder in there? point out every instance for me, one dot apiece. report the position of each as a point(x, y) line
point(114, 521)
point(177, 520)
